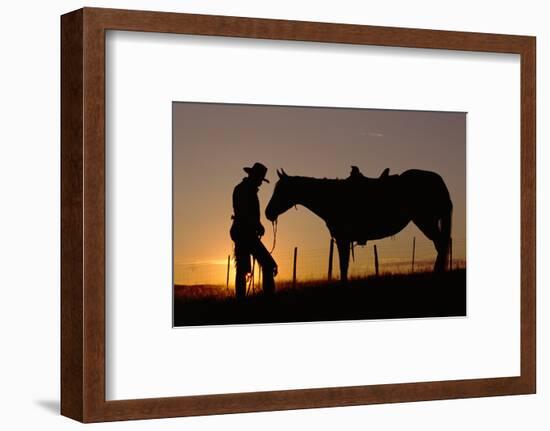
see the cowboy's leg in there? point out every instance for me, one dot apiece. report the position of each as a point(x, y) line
point(240, 285)
point(242, 259)
point(268, 265)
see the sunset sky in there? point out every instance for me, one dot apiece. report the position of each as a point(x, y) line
point(213, 142)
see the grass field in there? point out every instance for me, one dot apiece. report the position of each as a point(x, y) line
point(421, 294)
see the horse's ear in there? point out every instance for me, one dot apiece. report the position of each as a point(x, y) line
point(279, 174)
point(284, 174)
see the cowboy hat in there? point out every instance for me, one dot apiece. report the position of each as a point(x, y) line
point(257, 170)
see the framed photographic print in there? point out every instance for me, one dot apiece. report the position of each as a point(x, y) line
point(266, 215)
point(290, 273)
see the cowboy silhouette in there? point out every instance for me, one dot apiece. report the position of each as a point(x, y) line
point(247, 230)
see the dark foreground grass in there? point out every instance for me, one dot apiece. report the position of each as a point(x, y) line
point(385, 297)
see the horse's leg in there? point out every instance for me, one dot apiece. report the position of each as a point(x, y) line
point(430, 227)
point(343, 254)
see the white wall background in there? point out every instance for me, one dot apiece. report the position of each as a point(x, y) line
point(29, 220)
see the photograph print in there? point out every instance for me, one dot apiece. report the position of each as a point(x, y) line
point(288, 214)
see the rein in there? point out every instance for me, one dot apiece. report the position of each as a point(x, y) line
point(274, 225)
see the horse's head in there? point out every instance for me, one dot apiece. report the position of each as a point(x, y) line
point(283, 197)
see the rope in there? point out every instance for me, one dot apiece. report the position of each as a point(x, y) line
point(251, 279)
point(274, 225)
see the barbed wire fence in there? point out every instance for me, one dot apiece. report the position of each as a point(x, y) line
point(299, 264)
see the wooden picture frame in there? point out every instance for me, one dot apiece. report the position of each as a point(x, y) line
point(83, 214)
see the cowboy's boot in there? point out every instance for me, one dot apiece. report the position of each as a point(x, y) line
point(240, 285)
point(268, 282)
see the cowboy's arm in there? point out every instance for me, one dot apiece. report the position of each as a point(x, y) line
point(255, 212)
point(260, 230)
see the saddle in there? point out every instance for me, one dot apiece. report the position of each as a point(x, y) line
point(357, 174)
point(385, 181)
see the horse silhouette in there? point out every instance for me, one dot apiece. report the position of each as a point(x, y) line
point(359, 209)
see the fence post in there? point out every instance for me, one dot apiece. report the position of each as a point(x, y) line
point(450, 254)
point(228, 266)
point(376, 260)
point(330, 257)
point(294, 268)
point(414, 248)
